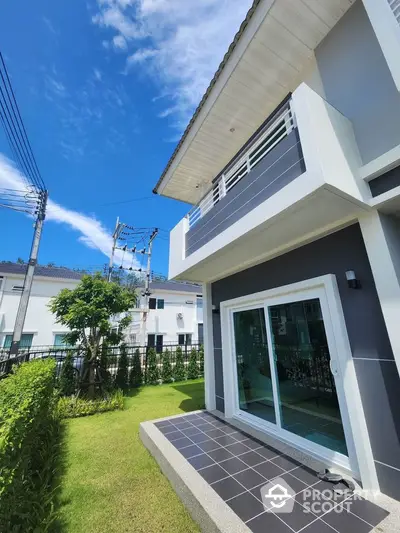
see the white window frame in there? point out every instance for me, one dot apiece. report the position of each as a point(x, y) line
point(360, 461)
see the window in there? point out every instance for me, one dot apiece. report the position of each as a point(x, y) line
point(160, 303)
point(152, 303)
point(184, 339)
point(26, 340)
point(59, 340)
point(155, 341)
point(18, 288)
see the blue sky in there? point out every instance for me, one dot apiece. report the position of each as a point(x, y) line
point(106, 88)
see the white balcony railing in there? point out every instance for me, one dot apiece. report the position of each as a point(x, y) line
point(395, 5)
point(280, 127)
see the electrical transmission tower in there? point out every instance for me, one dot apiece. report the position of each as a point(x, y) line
point(133, 245)
point(30, 194)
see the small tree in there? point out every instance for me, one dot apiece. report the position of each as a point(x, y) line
point(121, 378)
point(179, 373)
point(67, 377)
point(166, 374)
point(136, 376)
point(153, 374)
point(87, 310)
point(193, 367)
point(201, 360)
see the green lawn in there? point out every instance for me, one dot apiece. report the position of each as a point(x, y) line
point(110, 482)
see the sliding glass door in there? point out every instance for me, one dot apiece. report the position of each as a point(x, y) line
point(283, 370)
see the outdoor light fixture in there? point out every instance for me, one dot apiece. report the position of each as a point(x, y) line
point(352, 281)
point(215, 309)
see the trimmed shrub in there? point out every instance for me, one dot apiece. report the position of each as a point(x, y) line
point(153, 375)
point(201, 360)
point(77, 407)
point(121, 378)
point(193, 367)
point(136, 376)
point(166, 374)
point(29, 447)
point(67, 381)
point(179, 372)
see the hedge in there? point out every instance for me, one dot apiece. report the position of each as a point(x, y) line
point(28, 447)
point(72, 407)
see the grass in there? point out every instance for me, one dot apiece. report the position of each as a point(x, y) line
point(110, 482)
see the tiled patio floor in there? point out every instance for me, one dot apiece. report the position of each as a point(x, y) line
point(236, 466)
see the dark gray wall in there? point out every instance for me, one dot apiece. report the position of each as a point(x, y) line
point(376, 370)
point(386, 182)
point(357, 81)
point(278, 168)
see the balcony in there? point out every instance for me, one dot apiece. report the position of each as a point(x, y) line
point(269, 161)
point(296, 178)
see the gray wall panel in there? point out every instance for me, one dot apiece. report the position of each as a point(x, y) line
point(379, 382)
point(219, 380)
point(357, 81)
point(278, 168)
point(389, 480)
point(379, 386)
point(220, 404)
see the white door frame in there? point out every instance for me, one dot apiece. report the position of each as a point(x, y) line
point(360, 462)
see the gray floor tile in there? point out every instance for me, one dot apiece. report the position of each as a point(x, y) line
point(250, 479)
point(285, 462)
point(181, 443)
point(229, 430)
point(298, 518)
point(201, 461)
point(225, 440)
point(163, 423)
point(191, 431)
point(246, 506)
point(208, 445)
point(233, 466)
point(183, 425)
point(201, 437)
point(306, 475)
point(227, 488)
point(368, 511)
point(167, 429)
point(174, 435)
point(221, 454)
point(268, 523)
point(239, 436)
point(191, 451)
point(213, 473)
point(237, 448)
point(346, 522)
point(268, 453)
point(269, 470)
point(318, 527)
point(252, 444)
point(214, 433)
point(252, 458)
point(294, 483)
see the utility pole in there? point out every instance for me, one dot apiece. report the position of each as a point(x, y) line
point(146, 292)
point(118, 228)
point(24, 301)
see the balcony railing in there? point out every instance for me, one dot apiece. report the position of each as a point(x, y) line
point(275, 131)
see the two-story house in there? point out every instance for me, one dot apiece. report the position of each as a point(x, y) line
point(40, 328)
point(292, 163)
point(174, 316)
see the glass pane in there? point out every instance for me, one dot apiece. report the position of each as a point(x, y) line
point(308, 400)
point(8, 341)
point(253, 368)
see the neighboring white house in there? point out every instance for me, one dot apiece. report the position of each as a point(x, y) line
point(175, 316)
point(40, 326)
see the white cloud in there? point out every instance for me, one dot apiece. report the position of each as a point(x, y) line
point(179, 42)
point(92, 232)
point(97, 74)
point(119, 41)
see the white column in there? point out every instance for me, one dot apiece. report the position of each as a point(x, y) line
point(381, 235)
point(209, 373)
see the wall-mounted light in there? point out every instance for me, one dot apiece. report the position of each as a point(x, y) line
point(215, 309)
point(352, 281)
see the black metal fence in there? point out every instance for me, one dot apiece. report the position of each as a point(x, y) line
point(111, 358)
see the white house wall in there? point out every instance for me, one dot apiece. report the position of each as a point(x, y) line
point(39, 320)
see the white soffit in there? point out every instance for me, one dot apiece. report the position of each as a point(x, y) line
point(264, 66)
